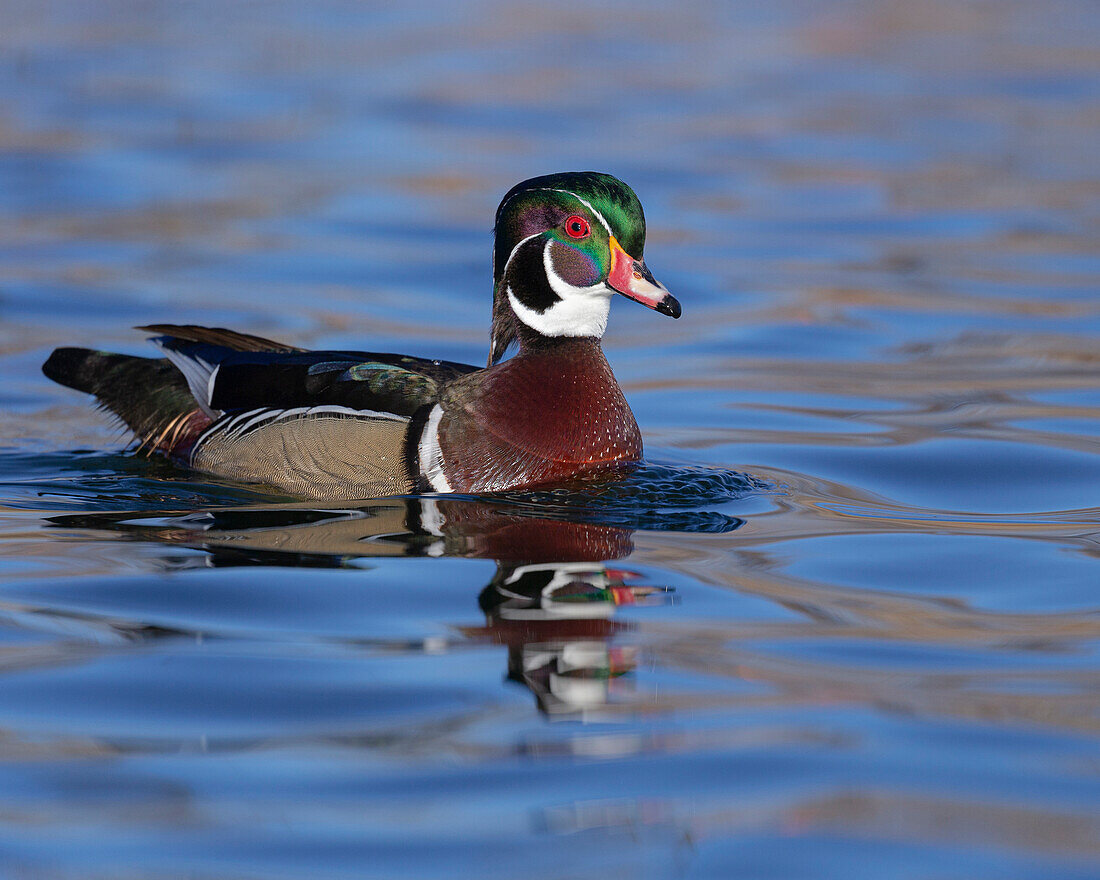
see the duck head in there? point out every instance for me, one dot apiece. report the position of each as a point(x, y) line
point(565, 244)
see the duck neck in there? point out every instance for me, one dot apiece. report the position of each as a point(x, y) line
point(535, 344)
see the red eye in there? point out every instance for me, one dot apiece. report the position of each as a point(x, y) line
point(577, 227)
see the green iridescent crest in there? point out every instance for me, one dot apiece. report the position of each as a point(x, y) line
point(543, 203)
point(543, 207)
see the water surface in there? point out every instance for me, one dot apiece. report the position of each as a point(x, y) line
point(846, 625)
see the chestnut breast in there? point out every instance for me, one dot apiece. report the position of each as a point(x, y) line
point(545, 415)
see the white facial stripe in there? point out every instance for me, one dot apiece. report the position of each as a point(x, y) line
point(519, 244)
point(581, 311)
point(562, 287)
point(524, 241)
point(584, 202)
point(587, 204)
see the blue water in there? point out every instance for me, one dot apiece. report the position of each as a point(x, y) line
point(844, 623)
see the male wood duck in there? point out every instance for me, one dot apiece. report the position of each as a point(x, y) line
point(347, 424)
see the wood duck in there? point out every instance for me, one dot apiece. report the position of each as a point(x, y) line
point(348, 424)
point(556, 619)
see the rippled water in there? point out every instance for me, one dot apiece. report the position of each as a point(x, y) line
point(846, 625)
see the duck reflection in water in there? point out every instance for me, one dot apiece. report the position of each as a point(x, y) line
point(551, 601)
point(556, 619)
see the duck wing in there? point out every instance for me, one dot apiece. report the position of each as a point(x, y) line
point(230, 372)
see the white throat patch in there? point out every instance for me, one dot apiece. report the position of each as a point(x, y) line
point(582, 311)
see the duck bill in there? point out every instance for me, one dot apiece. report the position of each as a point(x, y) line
point(633, 280)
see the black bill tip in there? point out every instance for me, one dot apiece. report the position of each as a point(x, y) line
point(669, 306)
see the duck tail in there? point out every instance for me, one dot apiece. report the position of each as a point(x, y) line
point(150, 396)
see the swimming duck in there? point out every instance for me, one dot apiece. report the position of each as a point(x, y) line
point(348, 424)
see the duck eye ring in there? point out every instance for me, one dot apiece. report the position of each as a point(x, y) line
point(577, 227)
